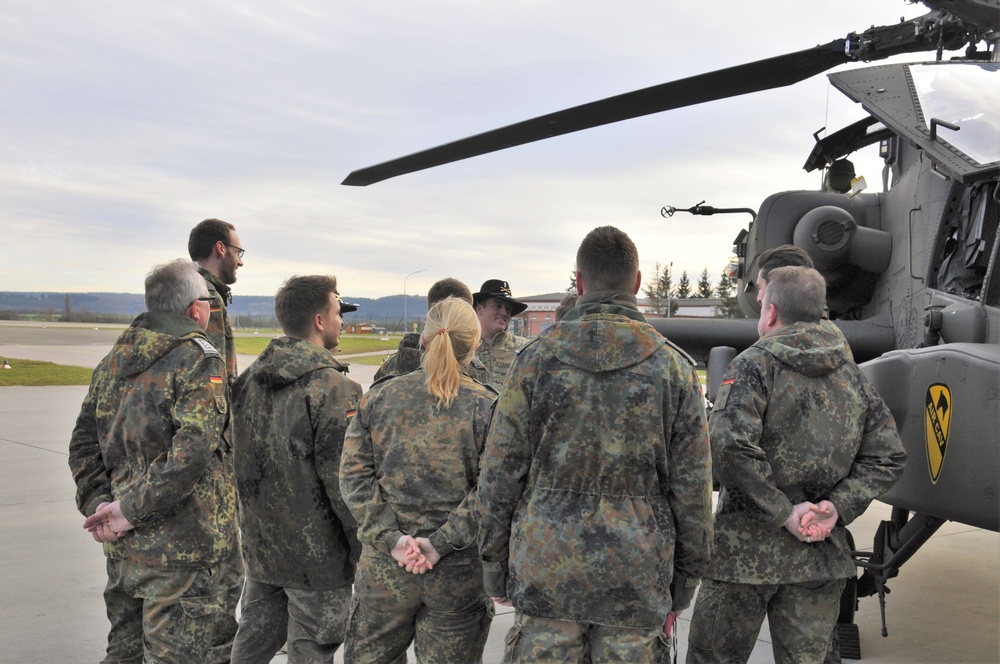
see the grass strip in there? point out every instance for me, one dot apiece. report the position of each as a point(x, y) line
point(34, 373)
point(349, 344)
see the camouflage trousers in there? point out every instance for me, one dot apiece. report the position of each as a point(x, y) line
point(312, 622)
point(728, 616)
point(224, 630)
point(160, 615)
point(445, 613)
point(542, 640)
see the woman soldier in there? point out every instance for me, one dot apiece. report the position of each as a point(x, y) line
point(408, 474)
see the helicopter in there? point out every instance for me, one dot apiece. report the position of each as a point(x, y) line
point(913, 270)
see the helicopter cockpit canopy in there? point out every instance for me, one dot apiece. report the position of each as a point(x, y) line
point(948, 110)
point(951, 110)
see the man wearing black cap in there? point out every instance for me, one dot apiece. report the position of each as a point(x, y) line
point(345, 308)
point(495, 306)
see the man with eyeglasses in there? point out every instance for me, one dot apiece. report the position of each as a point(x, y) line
point(215, 247)
point(153, 474)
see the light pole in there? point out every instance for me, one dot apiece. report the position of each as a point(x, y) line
point(670, 278)
point(405, 319)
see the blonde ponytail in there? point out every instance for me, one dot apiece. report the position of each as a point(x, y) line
point(450, 337)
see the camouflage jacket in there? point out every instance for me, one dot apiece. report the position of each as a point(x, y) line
point(795, 420)
point(411, 468)
point(497, 356)
point(597, 478)
point(407, 359)
point(291, 408)
point(149, 434)
point(219, 331)
point(404, 360)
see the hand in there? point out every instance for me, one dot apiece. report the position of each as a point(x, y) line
point(427, 556)
point(668, 626)
point(794, 523)
point(820, 520)
point(107, 524)
point(406, 552)
point(502, 601)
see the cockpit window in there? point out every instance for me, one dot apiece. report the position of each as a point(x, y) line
point(966, 96)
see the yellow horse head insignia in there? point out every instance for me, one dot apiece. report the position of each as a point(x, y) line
point(937, 423)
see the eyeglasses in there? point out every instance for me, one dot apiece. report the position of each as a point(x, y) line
point(207, 298)
point(239, 251)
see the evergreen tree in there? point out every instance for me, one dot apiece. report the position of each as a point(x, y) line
point(725, 287)
point(730, 307)
point(666, 282)
point(667, 293)
point(572, 281)
point(704, 286)
point(684, 286)
point(654, 291)
point(659, 291)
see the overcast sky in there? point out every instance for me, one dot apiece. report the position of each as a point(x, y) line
point(125, 123)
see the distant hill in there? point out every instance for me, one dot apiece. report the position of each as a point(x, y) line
point(253, 309)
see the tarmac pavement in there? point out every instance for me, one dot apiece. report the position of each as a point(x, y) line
point(944, 606)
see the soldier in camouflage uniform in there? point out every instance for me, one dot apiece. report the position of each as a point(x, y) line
point(407, 357)
point(801, 444)
point(786, 255)
point(408, 473)
point(153, 478)
point(291, 408)
point(495, 306)
point(566, 305)
point(214, 245)
point(595, 493)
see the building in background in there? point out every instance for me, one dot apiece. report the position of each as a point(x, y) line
point(541, 311)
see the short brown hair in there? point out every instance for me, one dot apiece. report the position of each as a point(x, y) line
point(301, 298)
point(448, 287)
point(204, 236)
point(783, 256)
point(608, 260)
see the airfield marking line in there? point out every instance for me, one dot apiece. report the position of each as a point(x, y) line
point(34, 447)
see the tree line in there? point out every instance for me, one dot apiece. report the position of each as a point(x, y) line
point(663, 294)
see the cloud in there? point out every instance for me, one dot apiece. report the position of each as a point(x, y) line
point(127, 123)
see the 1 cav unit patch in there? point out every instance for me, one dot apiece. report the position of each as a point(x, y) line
point(937, 426)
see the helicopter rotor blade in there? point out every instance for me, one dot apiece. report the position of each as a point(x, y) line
point(742, 79)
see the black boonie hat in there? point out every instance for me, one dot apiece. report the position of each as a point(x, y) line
point(499, 289)
point(346, 308)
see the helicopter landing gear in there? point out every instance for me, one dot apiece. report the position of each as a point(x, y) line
point(846, 638)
